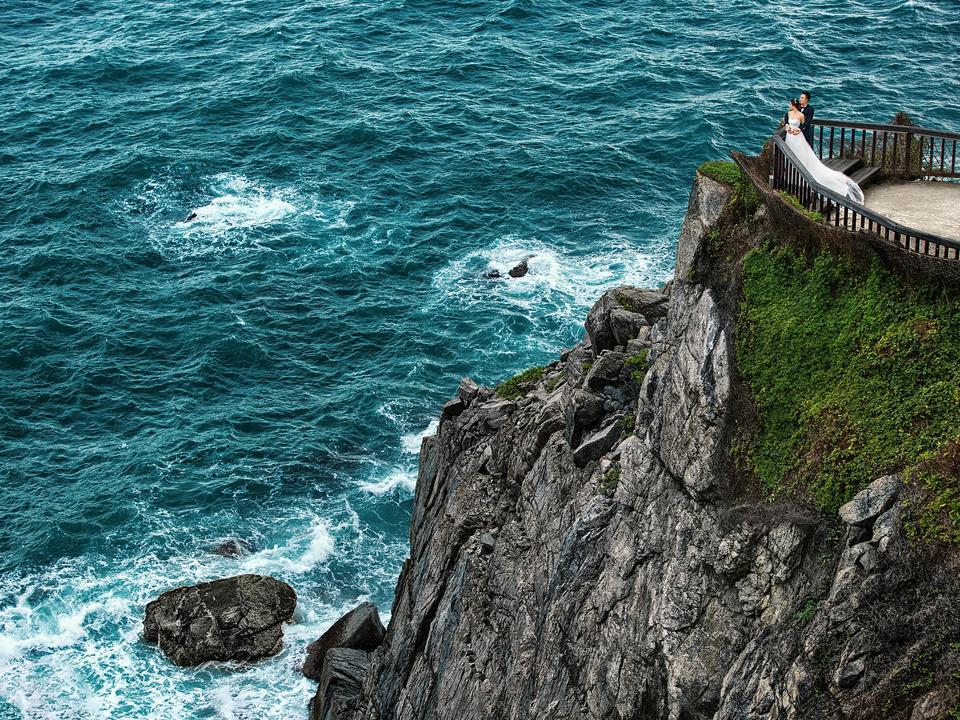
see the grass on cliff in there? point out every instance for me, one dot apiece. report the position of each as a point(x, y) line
point(518, 386)
point(744, 195)
point(854, 374)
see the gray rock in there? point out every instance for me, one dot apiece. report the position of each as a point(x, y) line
point(597, 444)
point(631, 587)
point(621, 314)
point(452, 408)
point(468, 391)
point(359, 629)
point(342, 678)
point(582, 411)
point(706, 203)
point(607, 370)
point(871, 501)
point(936, 704)
point(238, 618)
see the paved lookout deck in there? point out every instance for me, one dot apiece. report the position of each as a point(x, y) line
point(933, 207)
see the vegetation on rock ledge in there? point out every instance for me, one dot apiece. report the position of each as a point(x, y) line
point(518, 385)
point(854, 374)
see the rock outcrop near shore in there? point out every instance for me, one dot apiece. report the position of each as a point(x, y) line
point(238, 618)
point(580, 551)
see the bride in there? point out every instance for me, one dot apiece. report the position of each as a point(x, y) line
point(831, 179)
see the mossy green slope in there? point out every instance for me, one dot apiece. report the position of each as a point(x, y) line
point(854, 374)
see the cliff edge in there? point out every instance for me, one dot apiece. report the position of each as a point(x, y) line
point(580, 549)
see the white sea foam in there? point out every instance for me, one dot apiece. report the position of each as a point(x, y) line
point(553, 276)
point(298, 555)
point(241, 203)
point(229, 214)
point(70, 633)
point(395, 479)
point(412, 441)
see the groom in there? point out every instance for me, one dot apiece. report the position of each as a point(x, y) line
point(806, 127)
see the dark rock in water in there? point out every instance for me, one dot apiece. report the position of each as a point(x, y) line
point(520, 269)
point(341, 681)
point(192, 216)
point(233, 548)
point(359, 629)
point(517, 271)
point(236, 618)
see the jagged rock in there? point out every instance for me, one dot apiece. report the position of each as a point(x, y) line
point(885, 527)
point(468, 391)
point(607, 370)
point(629, 587)
point(452, 408)
point(706, 203)
point(238, 618)
point(344, 671)
point(359, 629)
point(871, 501)
point(597, 444)
point(621, 314)
point(582, 411)
point(938, 704)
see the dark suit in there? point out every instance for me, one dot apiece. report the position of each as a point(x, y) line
point(806, 127)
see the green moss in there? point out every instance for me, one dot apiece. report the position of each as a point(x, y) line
point(637, 365)
point(793, 201)
point(608, 484)
point(628, 422)
point(853, 373)
point(723, 171)
point(519, 385)
point(933, 510)
point(806, 612)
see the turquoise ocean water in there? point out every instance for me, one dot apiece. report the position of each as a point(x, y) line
point(266, 371)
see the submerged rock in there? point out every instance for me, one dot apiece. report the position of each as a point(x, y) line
point(233, 548)
point(520, 269)
point(236, 618)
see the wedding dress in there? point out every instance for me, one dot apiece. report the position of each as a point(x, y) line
point(831, 179)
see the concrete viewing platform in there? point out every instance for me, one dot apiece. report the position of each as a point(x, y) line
point(928, 206)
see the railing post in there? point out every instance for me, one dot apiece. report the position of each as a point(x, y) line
point(906, 155)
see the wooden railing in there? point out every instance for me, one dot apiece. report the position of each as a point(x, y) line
point(904, 151)
point(791, 177)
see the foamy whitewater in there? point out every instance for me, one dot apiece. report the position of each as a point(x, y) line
point(265, 370)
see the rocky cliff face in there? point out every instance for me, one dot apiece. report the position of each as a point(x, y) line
point(575, 552)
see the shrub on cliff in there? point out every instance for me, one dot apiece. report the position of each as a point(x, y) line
point(520, 384)
point(854, 374)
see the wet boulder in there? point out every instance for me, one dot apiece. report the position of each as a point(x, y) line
point(359, 629)
point(237, 618)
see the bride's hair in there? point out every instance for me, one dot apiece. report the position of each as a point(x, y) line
point(795, 102)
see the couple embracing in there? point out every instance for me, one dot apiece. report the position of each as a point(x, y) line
point(798, 124)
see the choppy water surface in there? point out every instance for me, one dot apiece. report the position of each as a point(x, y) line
point(267, 370)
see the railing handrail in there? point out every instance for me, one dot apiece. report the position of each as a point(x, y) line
point(913, 129)
point(876, 217)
